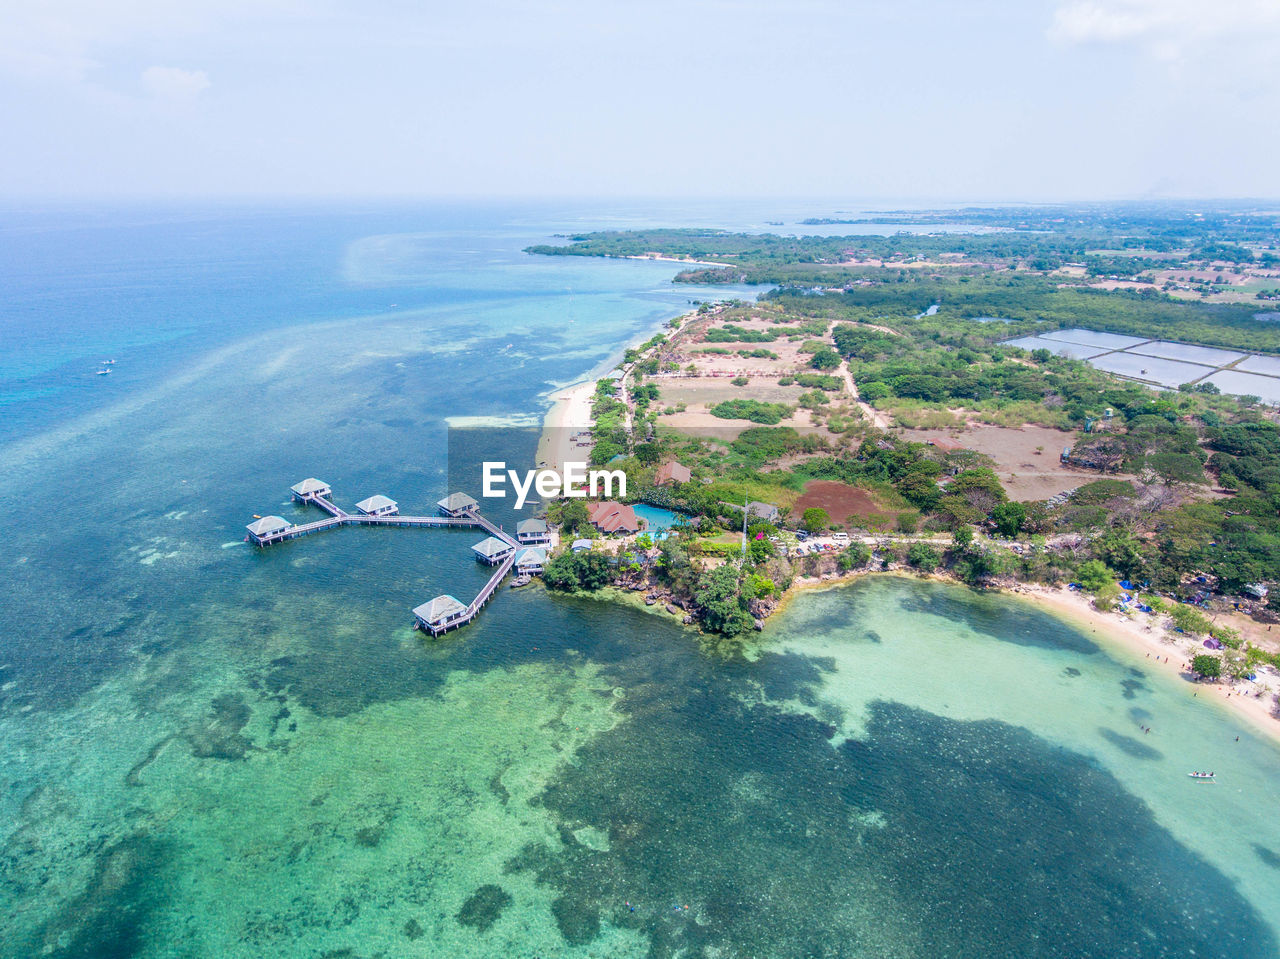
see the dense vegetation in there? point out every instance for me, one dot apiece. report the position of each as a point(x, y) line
point(1156, 525)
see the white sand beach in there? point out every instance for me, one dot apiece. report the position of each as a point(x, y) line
point(570, 412)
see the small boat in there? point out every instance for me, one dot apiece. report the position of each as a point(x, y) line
point(1201, 775)
point(104, 371)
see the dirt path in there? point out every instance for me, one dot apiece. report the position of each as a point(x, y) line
point(877, 419)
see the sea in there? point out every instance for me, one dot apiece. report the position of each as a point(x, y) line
point(212, 750)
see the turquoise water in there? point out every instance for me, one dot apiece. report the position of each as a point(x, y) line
point(658, 521)
point(210, 750)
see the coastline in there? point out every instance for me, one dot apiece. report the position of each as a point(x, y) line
point(1146, 643)
point(570, 411)
point(1144, 639)
point(1149, 643)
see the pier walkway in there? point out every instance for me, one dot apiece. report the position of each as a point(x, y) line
point(274, 529)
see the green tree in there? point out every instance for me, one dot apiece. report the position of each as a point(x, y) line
point(923, 557)
point(825, 359)
point(574, 516)
point(561, 573)
point(721, 602)
point(1094, 574)
point(816, 519)
point(593, 570)
point(1008, 518)
point(1206, 666)
point(963, 537)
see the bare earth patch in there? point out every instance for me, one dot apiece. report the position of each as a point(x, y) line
point(841, 501)
point(1025, 473)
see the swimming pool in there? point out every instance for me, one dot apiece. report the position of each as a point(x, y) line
point(658, 522)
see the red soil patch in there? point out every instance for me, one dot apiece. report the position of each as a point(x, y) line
point(840, 500)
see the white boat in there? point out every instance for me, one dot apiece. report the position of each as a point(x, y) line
point(1208, 776)
point(103, 372)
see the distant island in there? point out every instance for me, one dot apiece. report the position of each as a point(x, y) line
point(865, 431)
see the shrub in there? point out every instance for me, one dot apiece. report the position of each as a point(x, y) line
point(754, 410)
point(1207, 666)
point(923, 557)
point(856, 555)
point(826, 359)
point(821, 381)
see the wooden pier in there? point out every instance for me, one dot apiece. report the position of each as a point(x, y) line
point(270, 530)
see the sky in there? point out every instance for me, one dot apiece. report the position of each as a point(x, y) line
point(962, 100)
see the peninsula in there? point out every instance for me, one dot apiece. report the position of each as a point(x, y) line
point(993, 408)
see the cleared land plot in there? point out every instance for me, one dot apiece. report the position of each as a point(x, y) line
point(1230, 381)
point(1025, 474)
point(710, 390)
point(1267, 365)
point(1170, 373)
point(842, 502)
point(1071, 351)
point(1206, 355)
point(1103, 341)
point(700, 423)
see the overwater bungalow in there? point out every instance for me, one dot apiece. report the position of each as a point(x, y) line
point(440, 614)
point(267, 527)
point(533, 532)
point(530, 560)
point(492, 550)
point(378, 505)
point(457, 504)
point(310, 487)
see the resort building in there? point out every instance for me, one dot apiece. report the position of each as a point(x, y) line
point(765, 511)
point(671, 472)
point(611, 517)
point(310, 487)
point(534, 532)
point(581, 545)
point(492, 550)
point(457, 504)
point(378, 505)
point(530, 560)
point(440, 614)
point(267, 527)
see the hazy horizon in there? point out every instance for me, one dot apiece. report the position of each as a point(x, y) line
point(994, 101)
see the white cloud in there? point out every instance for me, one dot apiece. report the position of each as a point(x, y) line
point(1165, 28)
point(174, 83)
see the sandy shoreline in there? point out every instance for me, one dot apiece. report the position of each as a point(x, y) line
point(1153, 644)
point(1142, 637)
point(570, 412)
